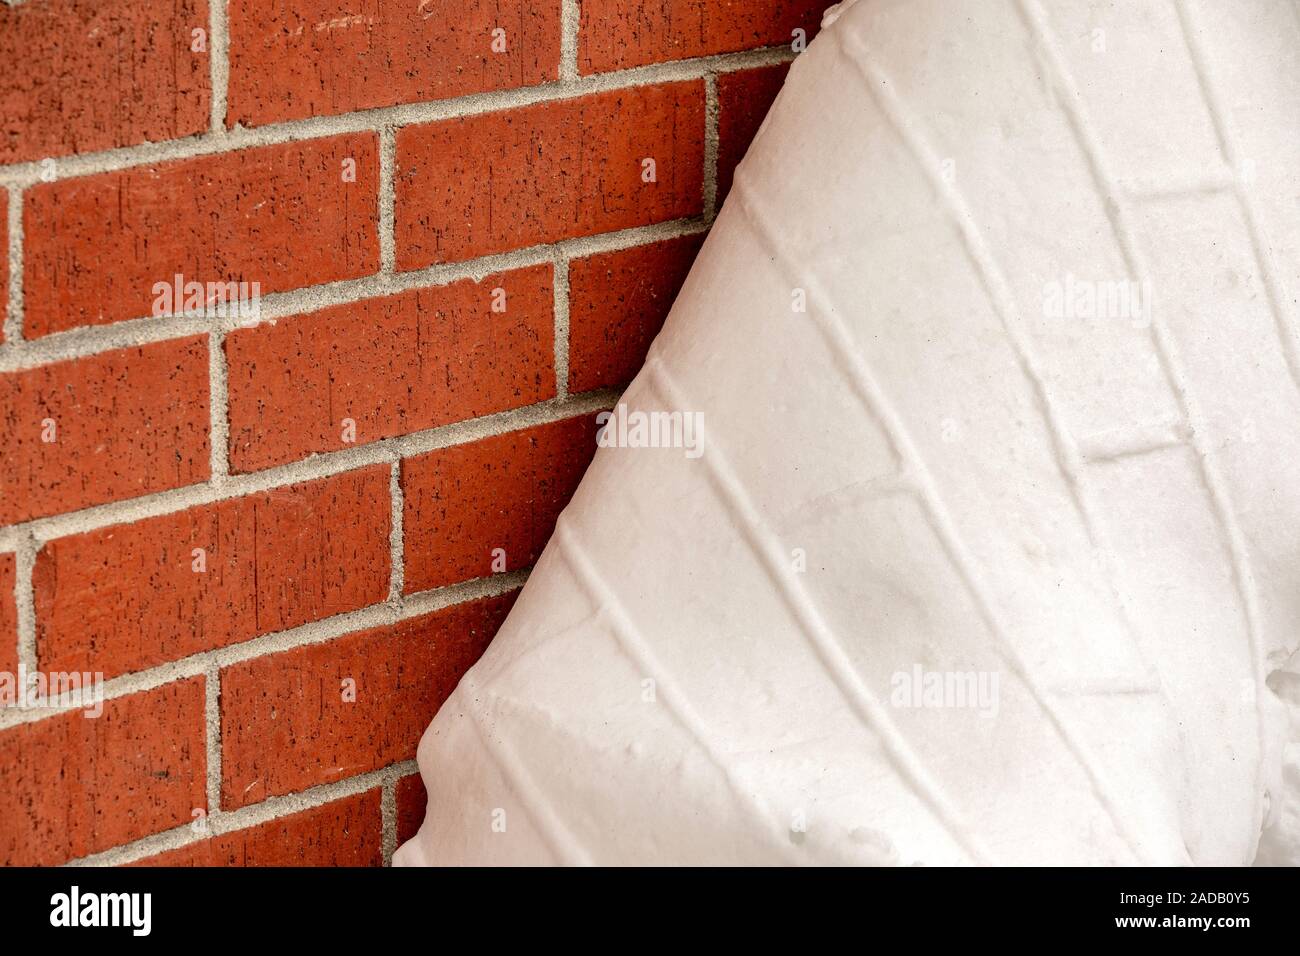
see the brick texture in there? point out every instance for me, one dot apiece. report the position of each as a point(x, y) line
point(72, 785)
point(392, 366)
point(84, 75)
point(617, 304)
point(463, 502)
point(411, 802)
point(744, 97)
point(129, 597)
point(390, 176)
point(618, 34)
point(347, 832)
point(4, 269)
point(96, 246)
point(103, 428)
point(318, 58)
point(543, 173)
point(286, 722)
point(8, 615)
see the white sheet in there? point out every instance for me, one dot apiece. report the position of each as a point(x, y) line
point(993, 537)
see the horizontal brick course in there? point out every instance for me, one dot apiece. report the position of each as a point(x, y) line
point(538, 174)
point(462, 503)
point(285, 722)
point(128, 597)
point(411, 800)
point(72, 785)
point(391, 365)
point(4, 264)
point(617, 304)
point(744, 97)
point(119, 424)
point(317, 58)
point(346, 832)
point(83, 75)
point(282, 216)
point(8, 615)
point(618, 34)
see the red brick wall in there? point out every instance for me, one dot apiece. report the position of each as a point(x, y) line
point(274, 538)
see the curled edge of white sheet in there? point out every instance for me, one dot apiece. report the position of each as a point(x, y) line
point(995, 342)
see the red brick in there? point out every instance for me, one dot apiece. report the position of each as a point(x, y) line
point(8, 616)
point(617, 304)
point(71, 785)
point(744, 97)
point(320, 57)
point(84, 75)
point(127, 597)
point(411, 802)
point(501, 492)
point(285, 726)
point(617, 34)
point(127, 423)
point(496, 181)
point(393, 365)
point(280, 215)
point(4, 271)
point(346, 832)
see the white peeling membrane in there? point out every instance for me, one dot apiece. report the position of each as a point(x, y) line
point(989, 556)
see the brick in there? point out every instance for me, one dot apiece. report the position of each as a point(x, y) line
point(491, 182)
point(392, 365)
point(318, 58)
point(4, 266)
point(411, 801)
point(618, 34)
point(346, 832)
point(8, 615)
point(618, 302)
point(84, 75)
point(127, 597)
point(125, 423)
point(744, 97)
point(72, 785)
point(285, 725)
point(462, 502)
point(281, 215)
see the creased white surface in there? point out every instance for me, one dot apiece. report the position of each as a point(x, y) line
point(939, 468)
